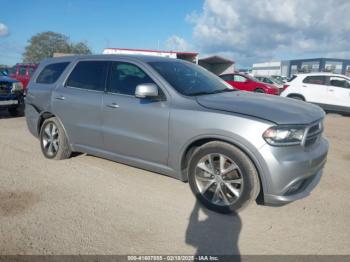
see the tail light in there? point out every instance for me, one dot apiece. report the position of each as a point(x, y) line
point(285, 87)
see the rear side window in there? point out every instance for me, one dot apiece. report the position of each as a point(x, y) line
point(292, 78)
point(51, 73)
point(239, 78)
point(22, 71)
point(227, 77)
point(90, 75)
point(316, 80)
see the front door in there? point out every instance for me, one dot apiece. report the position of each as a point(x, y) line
point(132, 126)
point(339, 92)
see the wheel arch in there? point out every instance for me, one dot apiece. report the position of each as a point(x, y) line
point(189, 149)
point(296, 95)
point(47, 115)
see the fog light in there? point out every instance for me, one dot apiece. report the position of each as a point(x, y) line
point(294, 187)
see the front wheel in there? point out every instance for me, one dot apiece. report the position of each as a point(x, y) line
point(16, 111)
point(222, 177)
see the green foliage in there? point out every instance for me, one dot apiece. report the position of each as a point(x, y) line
point(44, 45)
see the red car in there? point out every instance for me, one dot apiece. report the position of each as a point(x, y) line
point(249, 83)
point(23, 72)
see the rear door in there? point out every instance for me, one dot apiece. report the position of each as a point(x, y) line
point(241, 82)
point(132, 126)
point(78, 100)
point(339, 92)
point(314, 89)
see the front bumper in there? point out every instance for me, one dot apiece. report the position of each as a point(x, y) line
point(9, 102)
point(292, 172)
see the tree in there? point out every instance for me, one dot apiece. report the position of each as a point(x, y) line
point(44, 45)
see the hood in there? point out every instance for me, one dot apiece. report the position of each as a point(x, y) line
point(7, 79)
point(276, 109)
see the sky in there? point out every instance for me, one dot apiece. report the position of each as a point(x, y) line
point(246, 31)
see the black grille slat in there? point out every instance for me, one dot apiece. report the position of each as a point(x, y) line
point(313, 133)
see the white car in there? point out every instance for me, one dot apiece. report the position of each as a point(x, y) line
point(329, 91)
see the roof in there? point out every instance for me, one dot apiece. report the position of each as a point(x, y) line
point(320, 73)
point(143, 58)
point(153, 51)
point(216, 60)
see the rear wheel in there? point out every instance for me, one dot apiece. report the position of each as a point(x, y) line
point(222, 177)
point(54, 143)
point(259, 90)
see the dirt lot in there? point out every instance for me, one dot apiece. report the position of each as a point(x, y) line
point(87, 205)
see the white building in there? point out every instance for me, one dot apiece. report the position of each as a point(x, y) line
point(267, 68)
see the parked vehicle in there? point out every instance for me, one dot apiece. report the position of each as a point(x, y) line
point(270, 80)
point(330, 91)
point(282, 79)
point(249, 83)
point(176, 118)
point(23, 72)
point(11, 95)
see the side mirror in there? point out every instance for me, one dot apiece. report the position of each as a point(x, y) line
point(146, 90)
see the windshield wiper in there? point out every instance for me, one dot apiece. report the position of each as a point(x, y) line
point(213, 92)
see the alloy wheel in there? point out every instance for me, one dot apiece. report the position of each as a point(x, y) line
point(219, 179)
point(50, 139)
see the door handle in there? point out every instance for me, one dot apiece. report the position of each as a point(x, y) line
point(331, 90)
point(60, 98)
point(303, 85)
point(113, 105)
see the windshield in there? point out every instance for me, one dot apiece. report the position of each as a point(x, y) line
point(189, 79)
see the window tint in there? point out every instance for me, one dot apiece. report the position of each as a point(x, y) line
point(339, 82)
point(125, 77)
point(31, 71)
point(239, 78)
point(227, 77)
point(51, 73)
point(190, 79)
point(22, 71)
point(317, 80)
point(89, 75)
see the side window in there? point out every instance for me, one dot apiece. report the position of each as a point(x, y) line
point(22, 71)
point(316, 80)
point(238, 78)
point(339, 82)
point(51, 73)
point(227, 77)
point(90, 75)
point(125, 77)
point(31, 71)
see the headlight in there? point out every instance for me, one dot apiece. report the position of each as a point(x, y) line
point(284, 135)
point(17, 86)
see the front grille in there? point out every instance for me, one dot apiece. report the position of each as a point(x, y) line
point(4, 89)
point(313, 133)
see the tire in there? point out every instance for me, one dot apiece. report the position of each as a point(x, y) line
point(16, 111)
point(225, 191)
point(259, 90)
point(296, 97)
point(53, 140)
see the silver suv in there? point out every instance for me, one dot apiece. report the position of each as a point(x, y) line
point(175, 118)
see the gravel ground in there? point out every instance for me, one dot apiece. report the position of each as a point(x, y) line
point(88, 205)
